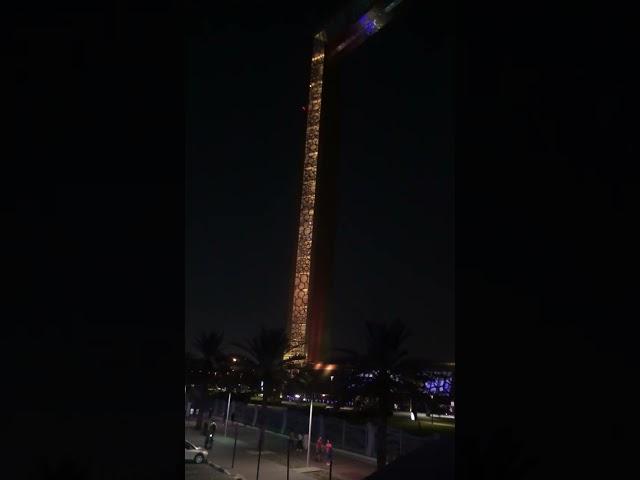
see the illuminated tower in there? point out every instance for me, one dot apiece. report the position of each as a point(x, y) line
point(312, 276)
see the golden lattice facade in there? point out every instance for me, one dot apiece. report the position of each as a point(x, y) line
point(307, 321)
point(300, 307)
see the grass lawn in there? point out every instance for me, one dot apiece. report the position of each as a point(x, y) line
point(423, 426)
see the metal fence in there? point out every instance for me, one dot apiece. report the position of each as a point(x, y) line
point(349, 437)
point(356, 438)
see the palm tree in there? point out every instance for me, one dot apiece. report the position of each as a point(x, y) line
point(265, 356)
point(383, 373)
point(209, 346)
point(307, 380)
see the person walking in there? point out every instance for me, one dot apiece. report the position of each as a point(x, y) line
point(328, 451)
point(305, 441)
point(319, 446)
point(299, 447)
point(292, 440)
point(209, 438)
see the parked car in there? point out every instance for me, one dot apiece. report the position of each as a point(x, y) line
point(194, 454)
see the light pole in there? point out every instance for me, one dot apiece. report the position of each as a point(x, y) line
point(309, 439)
point(226, 419)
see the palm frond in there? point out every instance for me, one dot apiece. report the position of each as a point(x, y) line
point(209, 346)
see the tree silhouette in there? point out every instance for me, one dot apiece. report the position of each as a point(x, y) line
point(383, 373)
point(307, 380)
point(264, 357)
point(209, 346)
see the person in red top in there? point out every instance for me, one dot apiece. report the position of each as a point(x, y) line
point(319, 445)
point(328, 451)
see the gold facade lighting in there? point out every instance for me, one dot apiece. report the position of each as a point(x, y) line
point(299, 313)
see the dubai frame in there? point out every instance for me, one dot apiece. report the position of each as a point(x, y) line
point(311, 280)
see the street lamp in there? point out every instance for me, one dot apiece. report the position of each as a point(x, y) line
point(309, 438)
point(226, 419)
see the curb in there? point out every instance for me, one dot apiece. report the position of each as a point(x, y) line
point(225, 471)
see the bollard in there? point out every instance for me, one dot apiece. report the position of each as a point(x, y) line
point(235, 442)
point(259, 455)
point(288, 454)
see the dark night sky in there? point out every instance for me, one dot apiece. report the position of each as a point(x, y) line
point(545, 212)
point(247, 79)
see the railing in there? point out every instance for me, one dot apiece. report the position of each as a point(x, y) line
point(359, 439)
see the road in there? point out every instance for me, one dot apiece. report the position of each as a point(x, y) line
point(202, 472)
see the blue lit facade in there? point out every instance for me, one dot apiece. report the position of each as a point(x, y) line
point(440, 384)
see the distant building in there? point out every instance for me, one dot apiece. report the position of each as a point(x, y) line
point(439, 380)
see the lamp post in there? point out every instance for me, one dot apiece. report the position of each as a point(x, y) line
point(226, 419)
point(309, 438)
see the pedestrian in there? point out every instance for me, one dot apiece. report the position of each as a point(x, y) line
point(328, 451)
point(211, 434)
point(305, 441)
point(299, 447)
point(319, 447)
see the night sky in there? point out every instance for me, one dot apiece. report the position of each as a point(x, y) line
point(546, 237)
point(247, 80)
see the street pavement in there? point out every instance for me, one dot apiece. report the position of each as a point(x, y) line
point(202, 472)
point(274, 456)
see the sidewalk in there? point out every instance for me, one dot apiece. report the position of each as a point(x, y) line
point(274, 456)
